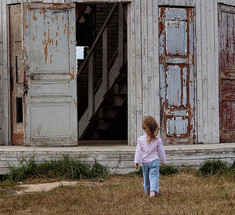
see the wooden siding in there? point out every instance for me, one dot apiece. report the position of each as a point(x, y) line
point(206, 46)
point(143, 66)
point(1, 74)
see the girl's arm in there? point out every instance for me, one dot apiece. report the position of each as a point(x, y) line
point(138, 153)
point(161, 151)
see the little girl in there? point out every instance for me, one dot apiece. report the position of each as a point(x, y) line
point(149, 148)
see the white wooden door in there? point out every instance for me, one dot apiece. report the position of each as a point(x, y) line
point(50, 74)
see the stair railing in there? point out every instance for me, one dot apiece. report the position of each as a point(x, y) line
point(103, 33)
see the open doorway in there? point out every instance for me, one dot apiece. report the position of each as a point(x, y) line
point(101, 50)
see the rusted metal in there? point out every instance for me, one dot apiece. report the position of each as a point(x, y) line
point(176, 30)
point(227, 73)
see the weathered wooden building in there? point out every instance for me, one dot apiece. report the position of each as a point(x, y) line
point(173, 59)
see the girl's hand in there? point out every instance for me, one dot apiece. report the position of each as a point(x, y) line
point(136, 165)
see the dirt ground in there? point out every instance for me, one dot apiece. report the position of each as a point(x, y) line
point(181, 194)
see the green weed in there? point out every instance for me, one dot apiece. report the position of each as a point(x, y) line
point(67, 167)
point(212, 167)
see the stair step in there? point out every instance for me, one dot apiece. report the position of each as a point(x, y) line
point(120, 89)
point(118, 100)
point(111, 113)
point(103, 125)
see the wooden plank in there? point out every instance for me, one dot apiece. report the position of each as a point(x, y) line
point(1, 56)
point(144, 68)
point(228, 2)
point(120, 32)
point(177, 2)
point(204, 68)
point(163, 2)
point(1, 21)
point(131, 74)
point(73, 63)
point(1, 77)
point(190, 3)
point(91, 87)
point(216, 129)
point(15, 1)
point(210, 69)
point(199, 101)
point(138, 72)
point(150, 49)
point(102, 1)
point(47, 1)
point(156, 87)
point(105, 61)
point(1, 108)
point(6, 78)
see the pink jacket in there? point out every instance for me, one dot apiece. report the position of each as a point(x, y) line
point(146, 152)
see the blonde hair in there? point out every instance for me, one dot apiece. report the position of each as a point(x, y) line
point(151, 128)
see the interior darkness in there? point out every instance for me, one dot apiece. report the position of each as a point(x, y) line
point(19, 110)
point(90, 19)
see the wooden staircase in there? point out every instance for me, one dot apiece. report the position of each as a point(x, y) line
point(106, 100)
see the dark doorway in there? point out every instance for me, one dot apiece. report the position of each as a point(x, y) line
point(102, 71)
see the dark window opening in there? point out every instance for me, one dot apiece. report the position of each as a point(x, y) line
point(16, 69)
point(19, 110)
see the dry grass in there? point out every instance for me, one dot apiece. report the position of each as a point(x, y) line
point(184, 193)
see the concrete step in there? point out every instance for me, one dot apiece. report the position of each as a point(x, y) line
point(118, 158)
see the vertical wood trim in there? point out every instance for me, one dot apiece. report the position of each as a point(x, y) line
point(6, 90)
point(216, 131)
point(178, 2)
point(73, 81)
point(156, 73)
point(131, 74)
point(91, 87)
point(150, 46)
point(210, 69)
point(199, 106)
point(14, 1)
point(204, 69)
point(138, 72)
point(144, 53)
point(1, 20)
point(1, 77)
point(120, 32)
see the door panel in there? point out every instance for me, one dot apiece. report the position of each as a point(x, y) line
point(177, 88)
point(50, 61)
point(227, 72)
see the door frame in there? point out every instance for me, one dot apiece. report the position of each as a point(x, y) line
point(194, 131)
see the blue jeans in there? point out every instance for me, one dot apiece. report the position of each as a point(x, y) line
point(151, 176)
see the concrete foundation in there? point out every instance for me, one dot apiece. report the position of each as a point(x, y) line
point(118, 158)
